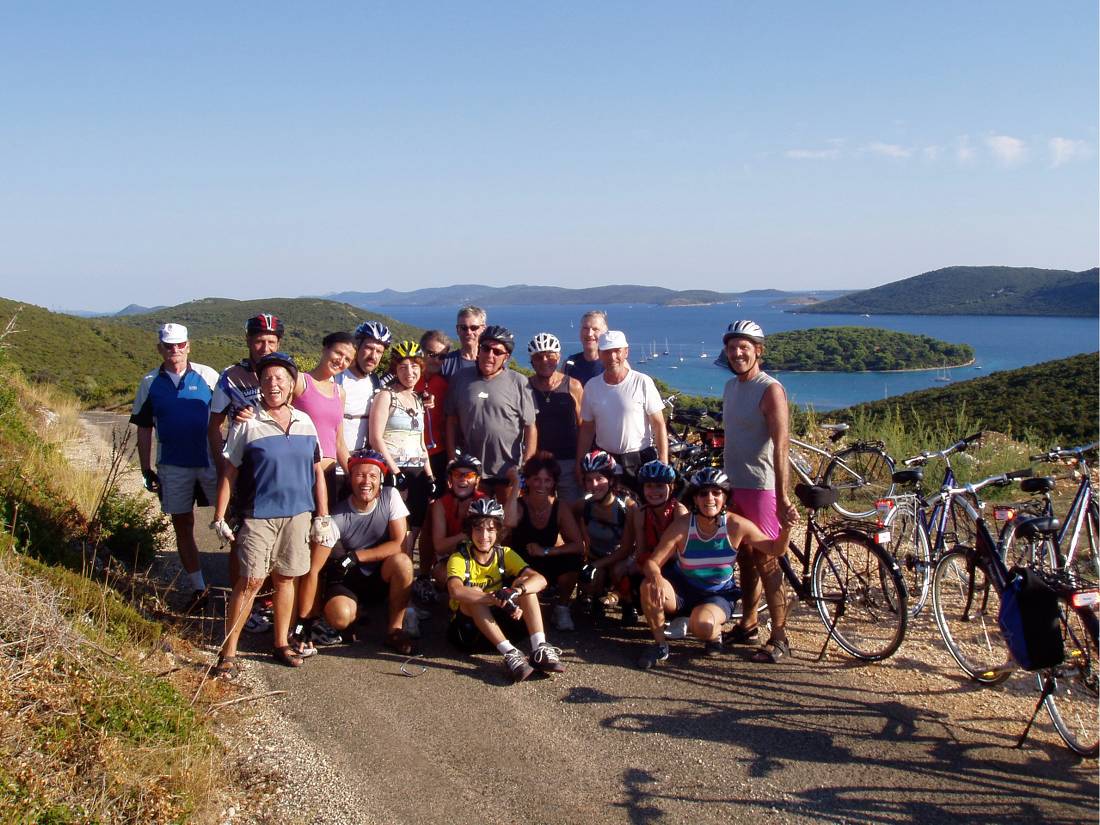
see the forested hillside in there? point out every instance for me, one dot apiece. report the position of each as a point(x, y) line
point(976, 290)
point(1051, 403)
point(858, 349)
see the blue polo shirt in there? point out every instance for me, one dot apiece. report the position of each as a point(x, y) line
point(179, 411)
point(584, 371)
point(275, 466)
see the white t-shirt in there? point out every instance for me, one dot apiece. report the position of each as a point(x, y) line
point(358, 394)
point(621, 411)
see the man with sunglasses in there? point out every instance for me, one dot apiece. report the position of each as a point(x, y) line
point(175, 399)
point(469, 324)
point(491, 410)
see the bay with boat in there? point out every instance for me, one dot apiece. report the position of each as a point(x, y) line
point(679, 343)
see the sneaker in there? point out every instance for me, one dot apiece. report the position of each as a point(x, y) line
point(546, 658)
point(653, 655)
point(563, 619)
point(677, 628)
point(630, 616)
point(518, 666)
point(323, 635)
point(411, 624)
point(713, 647)
point(260, 621)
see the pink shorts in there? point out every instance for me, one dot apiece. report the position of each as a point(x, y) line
point(758, 506)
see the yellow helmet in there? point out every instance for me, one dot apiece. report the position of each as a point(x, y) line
point(405, 349)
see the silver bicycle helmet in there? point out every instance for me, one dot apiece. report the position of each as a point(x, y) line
point(544, 342)
point(485, 508)
point(744, 329)
point(373, 331)
point(709, 477)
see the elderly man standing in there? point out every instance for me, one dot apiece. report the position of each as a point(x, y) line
point(469, 324)
point(586, 365)
point(490, 409)
point(175, 399)
point(623, 411)
point(558, 399)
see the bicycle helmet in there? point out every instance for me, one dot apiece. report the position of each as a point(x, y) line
point(544, 342)
point(405, 349)
point(744, 329)
point(709, 477)
point(264, 324)
point(278, 359)
point(654, 472)
point(599, 461)
point(464, 461)
point(368, 457)
point(373, 331)
point(502, 335)
point(485, 508)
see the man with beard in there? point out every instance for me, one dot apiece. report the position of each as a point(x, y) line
point(754, 415)
point(558, 400)
point(360, 382)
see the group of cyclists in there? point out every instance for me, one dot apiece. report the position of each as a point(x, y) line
point(406, 472)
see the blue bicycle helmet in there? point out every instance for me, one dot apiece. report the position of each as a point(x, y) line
point(373, 331)
point(655, 472)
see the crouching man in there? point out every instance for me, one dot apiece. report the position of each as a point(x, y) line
point(491, 586)
point(366, 563)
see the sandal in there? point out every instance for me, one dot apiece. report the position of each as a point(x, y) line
point(399, 642)
point(741, 635)
point(772, 651)
point(226, 668)
point(288, 656)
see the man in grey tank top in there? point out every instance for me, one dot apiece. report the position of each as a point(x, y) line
point(754, 415)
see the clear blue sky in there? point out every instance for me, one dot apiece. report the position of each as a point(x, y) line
point(154, 153)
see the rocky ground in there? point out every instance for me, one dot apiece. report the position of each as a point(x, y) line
point(356, 737)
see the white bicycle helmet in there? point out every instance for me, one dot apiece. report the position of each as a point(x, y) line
point(744, 329)
point(544, 342)
point(374, 331)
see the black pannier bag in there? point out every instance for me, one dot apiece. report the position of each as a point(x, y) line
point(1030, 620)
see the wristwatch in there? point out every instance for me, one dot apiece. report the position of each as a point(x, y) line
point(545, 551)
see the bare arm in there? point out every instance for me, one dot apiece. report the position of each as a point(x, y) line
point(444, 545)
point(145, 447)
point(452, 435)
point(773, 406)
point(530, 442)
point(383, 551)
point(226, 481)
point(671, 540)
point(341, 443)
point(584, 443)
point(745, 533)
point(320, 489)
point(576, 389)
point(660, 435)
point(568, 533)
point(214, 439)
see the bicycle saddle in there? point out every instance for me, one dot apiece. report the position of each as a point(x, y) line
point(1043, 484)
point(908, 476)
point(814, 497)
point(1037, 527)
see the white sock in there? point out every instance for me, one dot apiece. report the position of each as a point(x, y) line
point(196, 579)
point(506, 647)
point(537, 639)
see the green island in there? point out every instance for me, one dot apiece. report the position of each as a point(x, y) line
point(859, 349)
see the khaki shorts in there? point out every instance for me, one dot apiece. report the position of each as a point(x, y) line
point(274, 545)
point(177, 486)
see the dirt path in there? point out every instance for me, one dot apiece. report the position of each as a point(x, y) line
point(701, 741)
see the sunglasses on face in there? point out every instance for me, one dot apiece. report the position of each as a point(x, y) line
point(458, 476)
point(438, 354)
point(498, 352)
point(467, 327)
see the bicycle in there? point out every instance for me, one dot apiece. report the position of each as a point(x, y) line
point(861, 473)
point(917, 529)
point(1064, 550)
point(855, 585)
point(967, 584)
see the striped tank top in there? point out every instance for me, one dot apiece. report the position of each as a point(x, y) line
point(708, 563)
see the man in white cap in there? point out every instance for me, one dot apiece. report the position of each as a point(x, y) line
point(623, 411)
point(175, 399)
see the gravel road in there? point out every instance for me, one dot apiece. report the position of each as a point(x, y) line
point(699, 740)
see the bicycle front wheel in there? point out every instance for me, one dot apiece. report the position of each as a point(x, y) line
point(909, 546)
point(859, 595)
point(966, 604)
point(862, 474)
point(1073, 688)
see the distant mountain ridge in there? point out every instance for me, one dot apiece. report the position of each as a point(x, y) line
point(975, 290)
point(525, 294)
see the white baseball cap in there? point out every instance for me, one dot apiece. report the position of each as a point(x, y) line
point(613, 339)
point(173, 334)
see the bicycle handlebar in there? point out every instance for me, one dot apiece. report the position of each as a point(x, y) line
point(958, 447)
point(1056, 453)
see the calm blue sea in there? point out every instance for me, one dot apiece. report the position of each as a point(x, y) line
point(999, 343)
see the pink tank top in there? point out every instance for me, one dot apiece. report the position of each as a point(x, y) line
point(326, 413)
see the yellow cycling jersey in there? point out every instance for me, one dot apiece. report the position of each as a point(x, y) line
point(504, 563)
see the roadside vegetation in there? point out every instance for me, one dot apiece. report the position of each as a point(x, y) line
point(859, 349)
point(92, 731)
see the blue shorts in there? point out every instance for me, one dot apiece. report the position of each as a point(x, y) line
point(689, 597)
